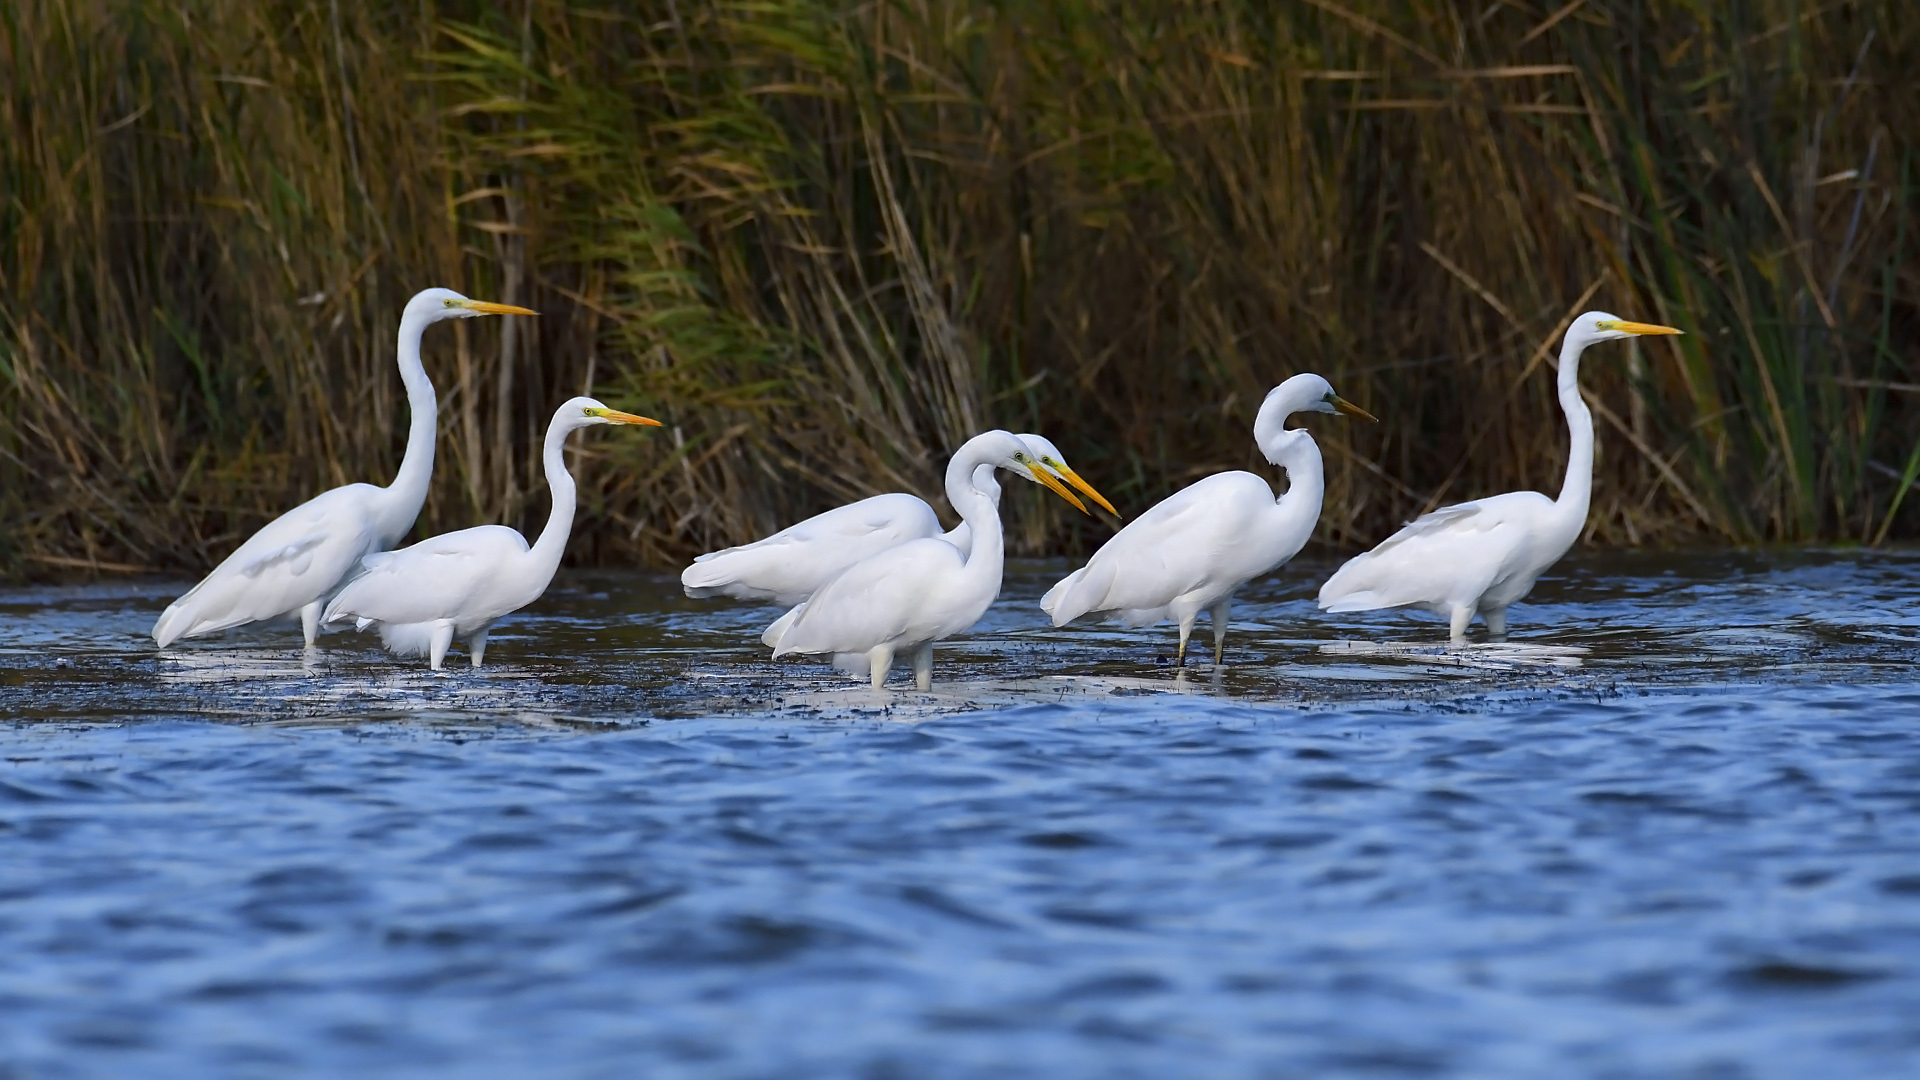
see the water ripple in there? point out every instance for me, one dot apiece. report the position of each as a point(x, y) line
point(1673, 828)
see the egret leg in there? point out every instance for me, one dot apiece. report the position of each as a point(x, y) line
point(1496, 621)
point(880, 659)
point(1186, 631)
point(1457, 631)
point(923, 667)
point(310, 621)
point(477, 645)
point(437, 647)
point(1217, 615)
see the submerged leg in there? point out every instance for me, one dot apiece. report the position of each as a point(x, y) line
point(310, 621)
point(1217, 615)
point(880, 659)
point(477, 645)
point(1186, 631)
point(1457, 631)
point(923, 667)
point(1496, 621)
point(437, 645)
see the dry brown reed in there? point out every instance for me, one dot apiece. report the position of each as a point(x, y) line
point(826, 243)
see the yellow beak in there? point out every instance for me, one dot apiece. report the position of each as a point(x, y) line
point(1639, 328)
point(488, 307)
point(612, 417)
point(1085, 488)
point(1046, 479)
point(1351, 409)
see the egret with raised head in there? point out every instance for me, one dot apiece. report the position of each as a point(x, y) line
point(1478, 557)
point(293, 566)
point(456, 585)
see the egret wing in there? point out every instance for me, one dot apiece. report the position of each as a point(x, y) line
point(442, 577)
point(1182, 544)
point(793, 563)
point(1450, 555)
point(296, 559)
point(891, 596)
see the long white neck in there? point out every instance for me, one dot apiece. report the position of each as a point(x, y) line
point(408, 492)
point(1294, 451)
point(961, 535)
point(1576, 492)
point(553, 539)
point(980, 517)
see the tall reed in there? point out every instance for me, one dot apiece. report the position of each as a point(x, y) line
point(827, 242)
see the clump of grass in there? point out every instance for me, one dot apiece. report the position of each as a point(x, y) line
point(827, 243)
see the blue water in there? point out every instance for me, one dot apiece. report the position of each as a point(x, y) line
point(1672, 829)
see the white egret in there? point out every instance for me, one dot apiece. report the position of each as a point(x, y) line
point(1480, 556)
point(1195, 548)
point(455, 585)
point(295, 563)
point(792, 564)
point(905, 598)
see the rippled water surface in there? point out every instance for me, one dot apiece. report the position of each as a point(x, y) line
point(1671, 829)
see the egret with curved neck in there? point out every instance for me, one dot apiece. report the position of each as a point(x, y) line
point(792, 564)
point(456, 585)
point(1195, 548)
point(290, 567)
point(1476, 558)
point(910, 595)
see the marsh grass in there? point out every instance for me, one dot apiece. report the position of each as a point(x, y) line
point(828, 242)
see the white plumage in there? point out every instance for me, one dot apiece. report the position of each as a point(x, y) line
point(1192, 550)
point(295, 563)
point(792, 564)
point(1479, 557)
point(910, 595)
point(454, 586)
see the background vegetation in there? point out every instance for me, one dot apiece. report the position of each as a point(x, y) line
point(826, 242)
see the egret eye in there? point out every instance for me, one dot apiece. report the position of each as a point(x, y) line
point(450, 303)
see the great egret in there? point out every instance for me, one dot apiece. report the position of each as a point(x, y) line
point(455, 585)
point(907, 597)
point(1480, 556)
point(792, 564)
point(1193, 549)
point(297, 561)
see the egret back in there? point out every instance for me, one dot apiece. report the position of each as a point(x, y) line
point(472, 577)
point(904, 594)
point(792, 564)
point(1454, 555)
point(300, 557)
point(1201, 542)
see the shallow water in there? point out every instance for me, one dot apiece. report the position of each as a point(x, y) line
point(1672, 828)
